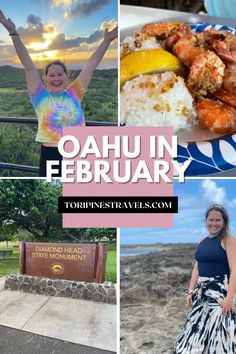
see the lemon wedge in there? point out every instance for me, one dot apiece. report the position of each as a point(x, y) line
point(148, 61)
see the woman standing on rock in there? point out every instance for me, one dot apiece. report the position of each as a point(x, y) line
point(58, 105)
point(211, 324)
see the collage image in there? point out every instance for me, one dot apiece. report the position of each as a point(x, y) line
point(117, 177)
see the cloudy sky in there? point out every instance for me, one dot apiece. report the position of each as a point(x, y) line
point(69, 30)
point(195, 196)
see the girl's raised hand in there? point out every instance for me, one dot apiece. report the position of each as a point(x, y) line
point(111, 35)
point(7, 23)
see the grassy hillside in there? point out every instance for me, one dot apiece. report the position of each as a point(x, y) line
point(99, 104)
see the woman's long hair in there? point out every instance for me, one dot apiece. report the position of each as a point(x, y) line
point(224, 233)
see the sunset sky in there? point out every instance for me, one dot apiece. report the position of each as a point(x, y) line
point(69, 30)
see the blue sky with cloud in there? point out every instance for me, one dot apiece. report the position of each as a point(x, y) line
point(195, 196)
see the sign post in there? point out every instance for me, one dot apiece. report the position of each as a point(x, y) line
point(71, 261)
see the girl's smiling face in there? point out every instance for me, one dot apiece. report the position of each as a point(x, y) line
point(56, 78)
point(214, 222)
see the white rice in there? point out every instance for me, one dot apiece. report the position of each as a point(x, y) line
point(157, 100)
point(129, 44)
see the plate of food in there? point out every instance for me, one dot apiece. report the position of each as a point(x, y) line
point(183, 75)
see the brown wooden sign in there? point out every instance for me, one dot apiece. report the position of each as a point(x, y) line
point(72, 261)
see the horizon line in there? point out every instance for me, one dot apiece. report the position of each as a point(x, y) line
point(72, 68)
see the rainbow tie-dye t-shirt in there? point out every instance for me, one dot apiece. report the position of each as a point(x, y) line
point(57, 110)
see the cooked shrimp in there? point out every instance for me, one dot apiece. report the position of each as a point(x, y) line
point(216, 116)
point(227, 54)
point(229, 80)
point(212, 36)
point(226, 97)
point(161, 29)
point(176, 35)
point(167, 33)
point(223, 43)
point(187, 49)
point(206, 74)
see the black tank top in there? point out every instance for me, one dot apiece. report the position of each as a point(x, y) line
point(211, 257)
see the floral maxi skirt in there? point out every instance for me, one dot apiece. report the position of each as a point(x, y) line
point(206, 330)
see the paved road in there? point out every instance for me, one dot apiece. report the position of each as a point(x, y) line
point(14, 341)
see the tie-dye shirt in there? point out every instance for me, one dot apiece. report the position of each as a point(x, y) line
point(56, 110)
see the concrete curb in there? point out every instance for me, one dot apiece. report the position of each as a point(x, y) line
point(76, 321)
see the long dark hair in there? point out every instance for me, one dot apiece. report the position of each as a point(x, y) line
point(56, 62)
point(224, 233)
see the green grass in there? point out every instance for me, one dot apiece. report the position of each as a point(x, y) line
point(8, 266)
point(11, 265)
point(11, 246)
point(110, 274)
point(7, 90)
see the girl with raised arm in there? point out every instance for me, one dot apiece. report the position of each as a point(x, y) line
point(58, 105)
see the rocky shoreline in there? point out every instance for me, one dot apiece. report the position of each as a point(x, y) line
point(153, 306)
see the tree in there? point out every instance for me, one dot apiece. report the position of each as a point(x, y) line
point(7, 233)
point(96, 234)
point(31, 205)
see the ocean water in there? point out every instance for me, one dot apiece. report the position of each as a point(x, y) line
point(136, 252)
